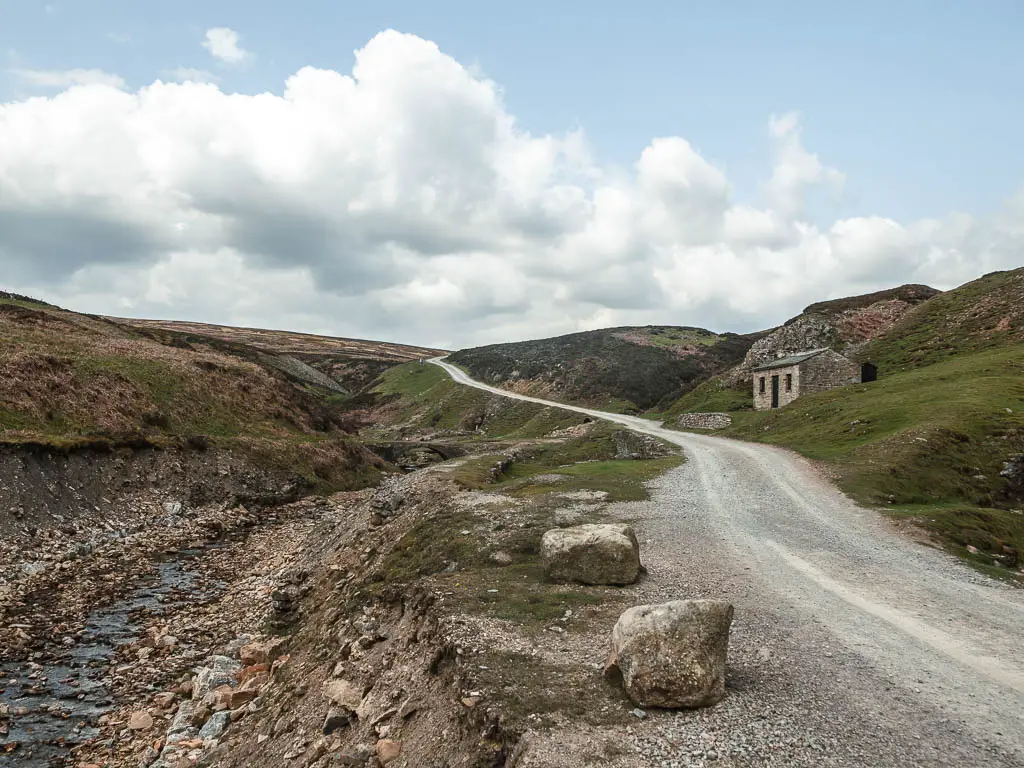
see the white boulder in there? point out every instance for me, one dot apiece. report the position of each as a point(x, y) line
point(673, 655)
point(591, 554)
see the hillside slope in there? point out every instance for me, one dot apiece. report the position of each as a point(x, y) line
point(626, 369)
point(844, 325)
point(72, 381)
point(987, 313)
point(338, 364)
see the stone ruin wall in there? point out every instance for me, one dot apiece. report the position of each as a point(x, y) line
point(704, 421)
point(827, 370)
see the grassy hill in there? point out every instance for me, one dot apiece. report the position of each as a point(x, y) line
point(337, 364)
point(624, 369)
point(72, 381)
point(937, 438)
point(987, 313)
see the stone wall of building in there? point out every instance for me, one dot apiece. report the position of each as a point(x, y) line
point(763, 400)
point(704, 421)
point(827, 370)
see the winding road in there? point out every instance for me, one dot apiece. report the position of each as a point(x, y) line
point(932, 635)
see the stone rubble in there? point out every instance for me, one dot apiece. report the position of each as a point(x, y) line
point(708, 420)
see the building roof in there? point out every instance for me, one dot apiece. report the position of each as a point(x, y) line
point(783, 362)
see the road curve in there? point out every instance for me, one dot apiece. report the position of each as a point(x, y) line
point(947, 637)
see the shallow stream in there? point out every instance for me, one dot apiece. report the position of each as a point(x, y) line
point(54, 705)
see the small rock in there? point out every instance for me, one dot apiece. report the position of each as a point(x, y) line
point(165, 700)
point(502, 558)
point(357, 755)
point(140, 721)
point(215, 726)
point(408, 708)
point(261, 652)
point(335, 720)
point(343, 694)
point(388, 750)
point(221, 671)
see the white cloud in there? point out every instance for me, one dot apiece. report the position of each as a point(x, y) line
point(796, 169)
point(222, 43)
point(403, 201)
point(190, 75)
point(121, 38)
point(52, 78)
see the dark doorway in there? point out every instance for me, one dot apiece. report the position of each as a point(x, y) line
point(868, 372)
point(775, 391)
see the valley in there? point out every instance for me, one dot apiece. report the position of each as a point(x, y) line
point(230, 547)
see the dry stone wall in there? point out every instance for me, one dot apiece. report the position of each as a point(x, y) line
point(704, 421)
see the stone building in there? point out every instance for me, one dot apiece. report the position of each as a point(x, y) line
point(781, 381)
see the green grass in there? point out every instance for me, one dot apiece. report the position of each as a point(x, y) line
point(411, 379)
point(581, 463)
point(75, 382)
point(526, 602)
point(431, 545)
point(622, 480)
point(427, 396)
point(475, 472)
point(984, 314)
point(996, 534)
point(24, 303)
point(712, 395)
point(536, 693)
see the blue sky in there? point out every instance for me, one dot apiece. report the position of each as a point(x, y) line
point(498, 172)
point(918, 102)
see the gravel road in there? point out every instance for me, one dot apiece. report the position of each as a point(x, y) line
point(853, 645)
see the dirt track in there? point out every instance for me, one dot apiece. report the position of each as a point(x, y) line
point(918, 659)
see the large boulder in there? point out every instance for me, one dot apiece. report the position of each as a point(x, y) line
point(673, 655)
point(591, 554)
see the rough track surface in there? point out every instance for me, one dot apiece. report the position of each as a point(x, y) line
point(852, 644)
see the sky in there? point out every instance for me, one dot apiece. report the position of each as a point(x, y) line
point(451, 173)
